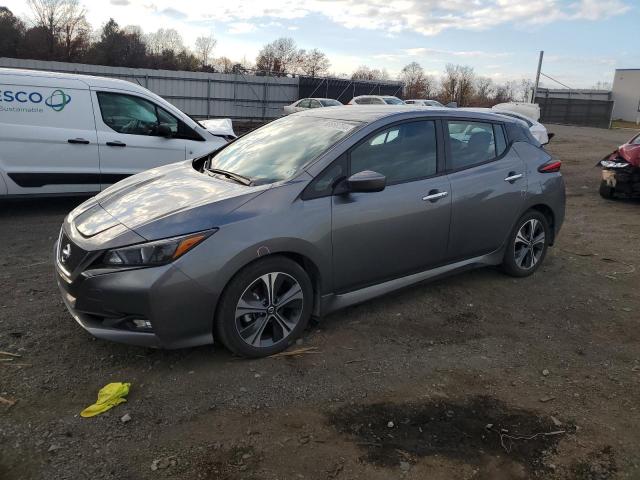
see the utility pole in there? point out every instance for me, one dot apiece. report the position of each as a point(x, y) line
point(535, 88)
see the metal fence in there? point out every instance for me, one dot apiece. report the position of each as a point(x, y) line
point(238, 96)
point(575, 111)
point(344, 90)
point(201, 95)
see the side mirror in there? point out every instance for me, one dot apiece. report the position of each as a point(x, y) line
point(452, 105)
point(550, 136)
point(164, 130)
point(367, 181)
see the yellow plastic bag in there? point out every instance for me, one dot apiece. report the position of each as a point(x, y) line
point(108, 397)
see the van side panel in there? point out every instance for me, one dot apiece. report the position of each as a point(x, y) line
point(48, 140)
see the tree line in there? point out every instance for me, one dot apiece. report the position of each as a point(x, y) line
point(58, 30)
point(460, 84)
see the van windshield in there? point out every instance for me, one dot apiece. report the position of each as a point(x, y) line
point(281, 148)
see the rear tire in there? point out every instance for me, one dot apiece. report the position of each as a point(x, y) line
point(264, 308)
point(607, 192)
point(527, 245)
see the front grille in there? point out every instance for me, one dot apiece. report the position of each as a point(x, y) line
point(70, 256)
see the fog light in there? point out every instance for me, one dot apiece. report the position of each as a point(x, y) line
point(141, 324)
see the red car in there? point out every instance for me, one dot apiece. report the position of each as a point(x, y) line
point(621, 170)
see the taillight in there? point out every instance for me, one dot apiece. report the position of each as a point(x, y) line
point(550, 167)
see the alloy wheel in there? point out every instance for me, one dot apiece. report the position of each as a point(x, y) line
point(529, 244)
point(269, 309)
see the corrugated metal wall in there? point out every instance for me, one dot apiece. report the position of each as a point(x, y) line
point(201, 95)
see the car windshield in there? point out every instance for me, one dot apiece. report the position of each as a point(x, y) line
point(434, 103)
point(330, 103)
point(635, 141)
point(281, 148)
point(393, 101)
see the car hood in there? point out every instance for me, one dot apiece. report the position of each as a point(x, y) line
point(163, 202)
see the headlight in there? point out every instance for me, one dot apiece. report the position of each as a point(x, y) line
point(155, 253)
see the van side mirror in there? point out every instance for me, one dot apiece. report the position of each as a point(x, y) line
point(367, 181)
point(163, 130)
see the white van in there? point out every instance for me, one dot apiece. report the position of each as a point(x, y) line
point(67, 134)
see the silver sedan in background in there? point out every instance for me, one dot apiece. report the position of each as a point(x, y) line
point(307, 103)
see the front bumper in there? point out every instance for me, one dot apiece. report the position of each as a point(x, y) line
point(106, 303)
point(623, 177)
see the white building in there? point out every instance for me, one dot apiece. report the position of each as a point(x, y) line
point(626, 94)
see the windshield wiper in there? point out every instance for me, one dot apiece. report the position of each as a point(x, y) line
point(233, 176)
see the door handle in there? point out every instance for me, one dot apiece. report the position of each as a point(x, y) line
point(513, 176)
point(116, 144)
point(81, 141)
point(434, 196)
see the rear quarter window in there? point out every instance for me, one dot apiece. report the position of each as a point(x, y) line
point(517, 132)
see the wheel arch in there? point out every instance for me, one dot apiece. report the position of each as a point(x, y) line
point(302, 256)
point(548, 213)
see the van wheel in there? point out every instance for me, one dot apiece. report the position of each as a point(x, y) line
point(527, 245)
point(265, 307)
point(606, 191)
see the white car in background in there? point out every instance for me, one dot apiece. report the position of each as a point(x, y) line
point(69, 134)
point(307, 103)
point(376, 100)
point(529, 110)
point(538, 131)
point(424, 103)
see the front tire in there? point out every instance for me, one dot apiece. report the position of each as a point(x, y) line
point(527, 245)
point(607, 192)
point(265, 307)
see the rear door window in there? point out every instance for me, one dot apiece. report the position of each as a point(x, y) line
point(472, 143)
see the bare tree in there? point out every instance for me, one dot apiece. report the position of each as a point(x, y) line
point(457, 84)
point(365, 73)
point(204, 48)
point(62, 21)
point(164, 39)
point(314, 63)
point(525, 90)
point(414, 79)
point(280, 56)
point(600, 85)
point(484, 90)
point(223, 64)
point(76, 36)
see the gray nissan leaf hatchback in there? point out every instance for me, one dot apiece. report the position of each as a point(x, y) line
point(309, 214)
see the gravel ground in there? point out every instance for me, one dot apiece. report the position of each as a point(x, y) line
point(477, 376)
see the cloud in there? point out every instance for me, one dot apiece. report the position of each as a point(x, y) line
point(429, 17)
point(173, 13)
point(120, 3)
point(239, 28)
point(425, 17)
point(433, 52)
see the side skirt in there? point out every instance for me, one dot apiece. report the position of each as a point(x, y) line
point(332, 302)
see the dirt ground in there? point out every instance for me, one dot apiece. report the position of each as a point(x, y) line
point(479, 376)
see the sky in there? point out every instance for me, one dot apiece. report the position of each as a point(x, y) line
point(584, 40)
